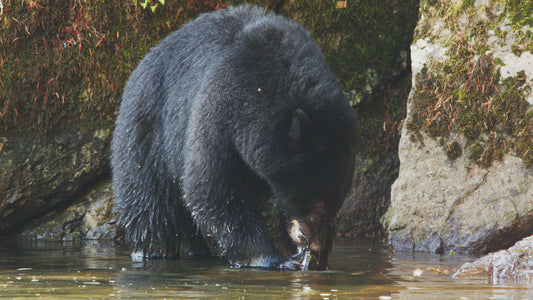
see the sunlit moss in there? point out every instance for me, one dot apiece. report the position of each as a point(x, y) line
point(466, 94)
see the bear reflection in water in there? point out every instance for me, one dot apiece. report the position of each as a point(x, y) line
point(233, 109)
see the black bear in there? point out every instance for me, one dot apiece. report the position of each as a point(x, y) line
point(235, 108)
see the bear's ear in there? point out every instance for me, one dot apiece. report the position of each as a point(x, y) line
point(301, 133)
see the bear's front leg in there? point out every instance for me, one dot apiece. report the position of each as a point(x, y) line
point(223, 209)
point(236, 233)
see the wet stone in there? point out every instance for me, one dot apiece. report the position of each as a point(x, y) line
point(515, 263)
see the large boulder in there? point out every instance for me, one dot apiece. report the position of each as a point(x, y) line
point(466, 151)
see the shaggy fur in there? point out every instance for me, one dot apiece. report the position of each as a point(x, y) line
point(234, 108)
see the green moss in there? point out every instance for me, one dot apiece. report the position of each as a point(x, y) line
point(386, 219)
point(519, 12)
point(64, 64)
point(453, 150)
point(477, 105)
point(380, 119)
point(519, 15)
point(468, 96)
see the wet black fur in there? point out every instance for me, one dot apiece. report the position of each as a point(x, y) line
point(207, 128)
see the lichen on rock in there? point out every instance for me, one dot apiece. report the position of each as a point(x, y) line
point(465, 180)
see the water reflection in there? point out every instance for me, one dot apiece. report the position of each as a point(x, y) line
point(358, 269)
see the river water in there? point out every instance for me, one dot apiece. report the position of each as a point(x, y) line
point(358, 270)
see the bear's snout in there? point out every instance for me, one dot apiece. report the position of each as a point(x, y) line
point(303, 236)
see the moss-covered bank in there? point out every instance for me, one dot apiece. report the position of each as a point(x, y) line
point(64, 65)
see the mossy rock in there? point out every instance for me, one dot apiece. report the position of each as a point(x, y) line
point(64, 64)
point(464, 92)
point(465, 174)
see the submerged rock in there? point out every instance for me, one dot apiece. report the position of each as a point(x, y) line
point(515, 263)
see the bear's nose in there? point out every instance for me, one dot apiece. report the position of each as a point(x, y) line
point(295, 232)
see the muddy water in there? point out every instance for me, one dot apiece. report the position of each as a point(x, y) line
point(359, 270)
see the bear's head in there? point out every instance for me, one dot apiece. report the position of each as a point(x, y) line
point(311, 187)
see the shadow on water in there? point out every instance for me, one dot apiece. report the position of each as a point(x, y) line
point(359, 269)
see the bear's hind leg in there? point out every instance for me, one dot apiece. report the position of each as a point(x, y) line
point(154, 219)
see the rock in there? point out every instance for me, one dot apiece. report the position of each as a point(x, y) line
point(465, 180)
point(439, 205)
point(515, 263)
point(93, 217)
point(42, 175)
point(369, 197)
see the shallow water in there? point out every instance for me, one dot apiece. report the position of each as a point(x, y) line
point(358, 270)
